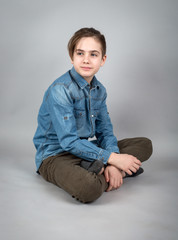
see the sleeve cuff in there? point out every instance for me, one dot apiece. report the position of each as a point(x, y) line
point(113, 149)
point(104, 156)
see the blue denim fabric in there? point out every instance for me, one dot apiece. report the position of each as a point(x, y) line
point(72, 112)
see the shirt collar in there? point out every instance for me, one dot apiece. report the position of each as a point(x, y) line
point(81, 81)
point(94, 83)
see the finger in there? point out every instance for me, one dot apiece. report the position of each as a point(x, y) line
point(106, 174)
point(111, 184)
point(123, 173)
point(119, 184)
point(133, 169)
point(129, 172)
point(116, 187)
point(136, 166)
point(138, 162)
point(109, 188)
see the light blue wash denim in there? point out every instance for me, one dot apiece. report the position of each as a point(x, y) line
point(71, 112)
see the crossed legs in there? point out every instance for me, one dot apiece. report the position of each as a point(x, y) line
point(64, 170)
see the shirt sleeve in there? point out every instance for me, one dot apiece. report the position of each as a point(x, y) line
point(104, 130)
point(61, 110)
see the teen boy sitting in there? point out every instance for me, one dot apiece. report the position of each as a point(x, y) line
point(74, 110)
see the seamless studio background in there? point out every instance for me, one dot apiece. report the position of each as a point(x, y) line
point(140, 75)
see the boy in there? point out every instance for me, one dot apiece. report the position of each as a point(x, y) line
point(74, 110)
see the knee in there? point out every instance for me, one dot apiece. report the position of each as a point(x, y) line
point(92, 188)
point(148, 147)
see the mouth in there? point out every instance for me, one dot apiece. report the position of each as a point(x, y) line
point(86, 68)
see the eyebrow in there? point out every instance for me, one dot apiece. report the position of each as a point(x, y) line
point(80, 50)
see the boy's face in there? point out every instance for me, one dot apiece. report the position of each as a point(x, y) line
point(87, 57)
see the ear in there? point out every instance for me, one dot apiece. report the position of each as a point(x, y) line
point(103, 60)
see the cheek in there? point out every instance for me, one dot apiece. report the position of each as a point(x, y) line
point(98, 64)
point(76, 61)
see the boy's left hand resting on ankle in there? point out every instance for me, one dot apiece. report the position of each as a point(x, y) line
point(114, 177)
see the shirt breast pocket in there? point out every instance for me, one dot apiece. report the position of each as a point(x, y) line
point(80, 117)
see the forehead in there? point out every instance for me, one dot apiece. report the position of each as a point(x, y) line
point(88, 44)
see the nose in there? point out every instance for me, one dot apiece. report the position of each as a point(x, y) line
point(86, 58)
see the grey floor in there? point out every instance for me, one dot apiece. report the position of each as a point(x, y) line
point(144, 208)
point(141, 79)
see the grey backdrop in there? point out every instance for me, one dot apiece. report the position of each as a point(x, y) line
point(140, 73)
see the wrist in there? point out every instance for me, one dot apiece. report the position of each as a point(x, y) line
point(112, 158)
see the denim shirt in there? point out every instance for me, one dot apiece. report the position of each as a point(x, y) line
point(71, 112)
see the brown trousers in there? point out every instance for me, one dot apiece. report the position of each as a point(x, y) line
point(64, 170)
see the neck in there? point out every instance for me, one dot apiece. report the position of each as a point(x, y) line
point(88, 80)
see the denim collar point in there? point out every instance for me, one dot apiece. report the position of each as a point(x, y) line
point(78, 78)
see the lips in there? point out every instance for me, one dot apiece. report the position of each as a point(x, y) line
point(86, 68)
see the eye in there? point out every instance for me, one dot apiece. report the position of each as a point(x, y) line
point(94, 55)
point(79, 53)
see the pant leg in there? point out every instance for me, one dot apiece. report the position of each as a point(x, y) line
point(65, 172)
point(139, 147)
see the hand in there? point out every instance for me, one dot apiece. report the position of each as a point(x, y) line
point(114, 176)
point(125, 162)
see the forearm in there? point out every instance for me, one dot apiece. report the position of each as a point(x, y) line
point(108, 142)
point(86, 150)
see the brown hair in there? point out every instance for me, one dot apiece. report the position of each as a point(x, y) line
point(86, 32)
